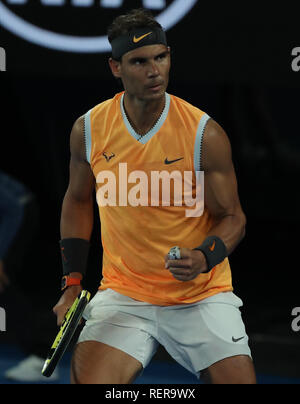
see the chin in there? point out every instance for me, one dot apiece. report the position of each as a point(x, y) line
point(156, 95)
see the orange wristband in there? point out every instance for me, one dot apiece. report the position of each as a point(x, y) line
point(68, 281)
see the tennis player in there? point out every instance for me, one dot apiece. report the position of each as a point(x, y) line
point(146, 299)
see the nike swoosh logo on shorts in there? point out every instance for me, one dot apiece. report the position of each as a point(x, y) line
point(237, 339)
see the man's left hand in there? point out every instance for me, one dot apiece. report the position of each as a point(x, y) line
point(191, 264)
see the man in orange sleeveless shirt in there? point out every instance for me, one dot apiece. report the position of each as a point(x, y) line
point(126, 147)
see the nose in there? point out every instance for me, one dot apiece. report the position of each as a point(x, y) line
point(153, 70)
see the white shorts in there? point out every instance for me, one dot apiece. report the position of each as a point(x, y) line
point(196, 335)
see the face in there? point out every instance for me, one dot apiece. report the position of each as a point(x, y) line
point(144, 71)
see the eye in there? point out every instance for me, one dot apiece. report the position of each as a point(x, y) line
point(138, 62)
point(162, 56)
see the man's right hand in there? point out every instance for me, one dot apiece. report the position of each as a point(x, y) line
point(66, 302)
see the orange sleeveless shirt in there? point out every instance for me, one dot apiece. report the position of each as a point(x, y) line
point(139, 223)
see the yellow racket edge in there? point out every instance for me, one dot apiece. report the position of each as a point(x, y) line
point(66, 332)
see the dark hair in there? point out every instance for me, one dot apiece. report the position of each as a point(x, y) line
point(136, 18)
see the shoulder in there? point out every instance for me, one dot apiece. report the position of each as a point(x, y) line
point(80, 127)
point(214, 132)
point(77, 141)
point(216, 146)
point(186, 107)
point(104, 106)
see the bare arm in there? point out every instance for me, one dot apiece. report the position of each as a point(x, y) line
point(77, 210)
point(221, 191)
point(77, 215)
point(221, 199)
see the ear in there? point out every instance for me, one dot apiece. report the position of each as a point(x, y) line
point(170, 51)
point(115, 67)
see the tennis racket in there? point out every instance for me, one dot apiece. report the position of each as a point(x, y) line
point(66, 332)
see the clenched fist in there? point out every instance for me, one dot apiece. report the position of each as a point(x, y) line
point(191, 264)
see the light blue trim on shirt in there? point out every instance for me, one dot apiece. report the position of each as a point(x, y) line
point(198, 143)
point(87, 135)
point(144, 139)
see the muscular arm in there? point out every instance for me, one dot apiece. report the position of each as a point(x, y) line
point(77, 210)
point(221, 191)
point(221, 199)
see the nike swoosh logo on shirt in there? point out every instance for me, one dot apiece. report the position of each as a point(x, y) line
point(172, 161)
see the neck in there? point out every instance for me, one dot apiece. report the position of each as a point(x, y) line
point(142, 114)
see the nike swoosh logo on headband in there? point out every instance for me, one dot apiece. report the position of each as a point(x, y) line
point(136, 40)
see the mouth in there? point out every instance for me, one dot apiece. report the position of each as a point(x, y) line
point(156, 87)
